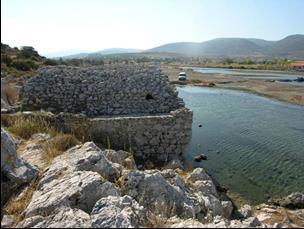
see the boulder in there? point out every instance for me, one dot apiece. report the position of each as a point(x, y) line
point(293, 201)
point(7, 221)
point(118, 212)
point(33, 154)
point(14, 171)
point(79, 189)
point(245, 211)
point(62, 217)
point(86, 157)
point(155, 192)
point(121, 157)
point(189, 223)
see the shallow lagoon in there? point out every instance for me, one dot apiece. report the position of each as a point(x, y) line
point(255, 145)
point(279, 76)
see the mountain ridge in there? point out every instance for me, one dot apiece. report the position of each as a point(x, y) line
point(289, 47)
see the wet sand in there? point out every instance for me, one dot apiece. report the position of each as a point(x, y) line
point(284, 92)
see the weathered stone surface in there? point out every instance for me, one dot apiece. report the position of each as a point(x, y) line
point(62, 217)
point(294, 200)
point(72, 193)
point(207, 193)
point(7, 221)
point(189, 223)
point(249, 222)
point(33, 154)
point(174, 164)
point(227, 209)
point(106, 90)
point(4, 100)
point(121, 157)
point(14, 171)
point(118, 212)
point(245, 211)
point(79, 189)
point(275, 216)
point(162, 193)
point(86, 157)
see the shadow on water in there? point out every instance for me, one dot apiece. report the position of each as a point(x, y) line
point(254, 145)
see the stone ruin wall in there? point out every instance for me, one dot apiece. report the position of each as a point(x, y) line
point(111, 90)
point(158, 138)
point(114, 107)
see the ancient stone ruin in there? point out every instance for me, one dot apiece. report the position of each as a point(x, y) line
point(129, 107)
point(111, 90)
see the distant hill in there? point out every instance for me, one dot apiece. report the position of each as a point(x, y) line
point(69, 52)
point(260, 42)
point(289, 47)
point(101, 53)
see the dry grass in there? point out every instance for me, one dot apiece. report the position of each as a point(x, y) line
point(57, 145)
point(16, 206)
point(25, 127)
point(11, 93)
point(155, 221)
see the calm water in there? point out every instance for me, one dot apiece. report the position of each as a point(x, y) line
point(255, 146)
point(253, 74)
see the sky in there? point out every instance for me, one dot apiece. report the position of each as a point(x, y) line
point(91, 25)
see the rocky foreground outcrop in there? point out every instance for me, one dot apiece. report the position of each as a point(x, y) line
point(15, 172)
point(89, 187)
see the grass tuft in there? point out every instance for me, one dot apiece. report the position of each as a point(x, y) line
point(16, 206)
point(25, 127)
point(57, 145)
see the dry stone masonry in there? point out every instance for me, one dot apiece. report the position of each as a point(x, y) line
point(111, 90)
point(129, 107)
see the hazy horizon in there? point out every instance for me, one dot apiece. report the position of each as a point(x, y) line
point(61, 26)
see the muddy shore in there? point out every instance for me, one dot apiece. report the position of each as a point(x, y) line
point(283, 92)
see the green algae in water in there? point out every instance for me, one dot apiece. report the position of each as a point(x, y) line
point(255, 145)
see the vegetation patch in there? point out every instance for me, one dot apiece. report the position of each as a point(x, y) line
point(25, 127)
point(57, 145)
point(17, 205)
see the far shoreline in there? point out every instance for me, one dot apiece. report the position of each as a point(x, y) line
point(291, 94)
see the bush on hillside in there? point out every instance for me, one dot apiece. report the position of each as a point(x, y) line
point(24, 65)
point(50, 62)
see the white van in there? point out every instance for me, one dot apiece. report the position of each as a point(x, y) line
point(182, 76)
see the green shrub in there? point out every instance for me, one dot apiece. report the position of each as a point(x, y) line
point(50, 62)
point(7, 60)
point(24, 65)
point(28, 52)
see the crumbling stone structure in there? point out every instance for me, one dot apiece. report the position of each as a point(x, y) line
point(111, 90)
point(126, 106)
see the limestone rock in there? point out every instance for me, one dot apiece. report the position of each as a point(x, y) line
point(245, 211)
point(293, 201)
point(189, 223)
point(14, 171)
point(86, 157)
point(63, 217)
point(153, 191)
point(7, 221)
point(80, 189)
point(249, 222)
point(227, 209)
point(33, 154)
point(121, 157)
point(118, 212)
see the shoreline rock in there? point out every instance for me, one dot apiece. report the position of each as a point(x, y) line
point(90, 187)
